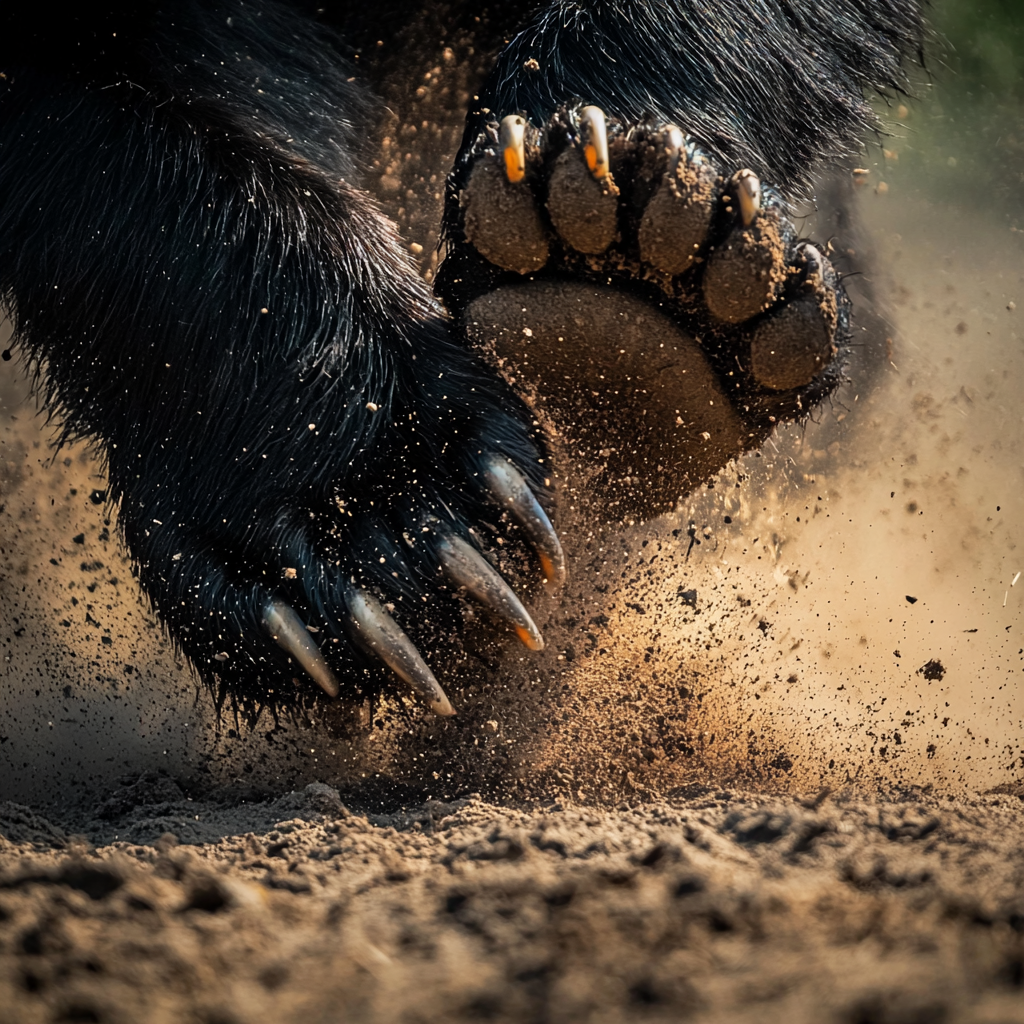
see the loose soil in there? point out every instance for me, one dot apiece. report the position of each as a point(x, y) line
point(715, 907)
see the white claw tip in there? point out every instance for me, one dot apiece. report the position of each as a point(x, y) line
point(595, 140)
point(672, 139)
point(442, 707)
point(748, 185)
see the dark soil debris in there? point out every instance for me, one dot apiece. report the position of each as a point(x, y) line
point(280, 911)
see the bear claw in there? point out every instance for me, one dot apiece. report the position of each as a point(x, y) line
point(673, 141)
point(286, 629)
point(367, 620)
point(594, 132)
point(509, 490)
point(748, 185)
point(378, 634)
point(467, 568)
point(512, 139)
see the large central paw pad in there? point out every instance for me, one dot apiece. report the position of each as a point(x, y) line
point(659, 308)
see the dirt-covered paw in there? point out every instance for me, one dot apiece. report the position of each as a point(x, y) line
point(657, 307)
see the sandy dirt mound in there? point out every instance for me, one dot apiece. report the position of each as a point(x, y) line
point(719, 907)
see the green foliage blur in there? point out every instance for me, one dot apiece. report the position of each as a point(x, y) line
point(986, 46)
point(960, 136)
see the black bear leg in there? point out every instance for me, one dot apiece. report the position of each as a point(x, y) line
point(310, 467)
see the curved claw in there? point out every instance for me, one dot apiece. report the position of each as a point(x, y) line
point(465, 566)
point(673, 143)
point(512, 140)
point(814, 261)
point(594, 131)
point(511, 491)
point(748, 185)
point(287, 630)
point(379, 634)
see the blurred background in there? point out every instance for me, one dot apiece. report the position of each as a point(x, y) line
point(971, 109)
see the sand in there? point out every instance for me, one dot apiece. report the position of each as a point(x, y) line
point(719, 907)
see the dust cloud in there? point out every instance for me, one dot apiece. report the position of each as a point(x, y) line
point(841, 607)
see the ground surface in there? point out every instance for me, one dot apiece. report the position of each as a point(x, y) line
point(722, 907)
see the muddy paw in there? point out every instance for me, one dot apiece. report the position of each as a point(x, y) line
point(657, 308)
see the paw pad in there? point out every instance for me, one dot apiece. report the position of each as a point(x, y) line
point(677, 218)
point(661, 310)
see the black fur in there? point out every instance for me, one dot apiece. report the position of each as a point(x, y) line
point(194, 269)
point(774, 86)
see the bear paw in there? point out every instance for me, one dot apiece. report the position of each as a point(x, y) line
point(659, 311)
point(320, 562)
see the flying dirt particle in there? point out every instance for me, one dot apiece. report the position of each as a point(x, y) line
point(933, 669)
point(912, 600)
